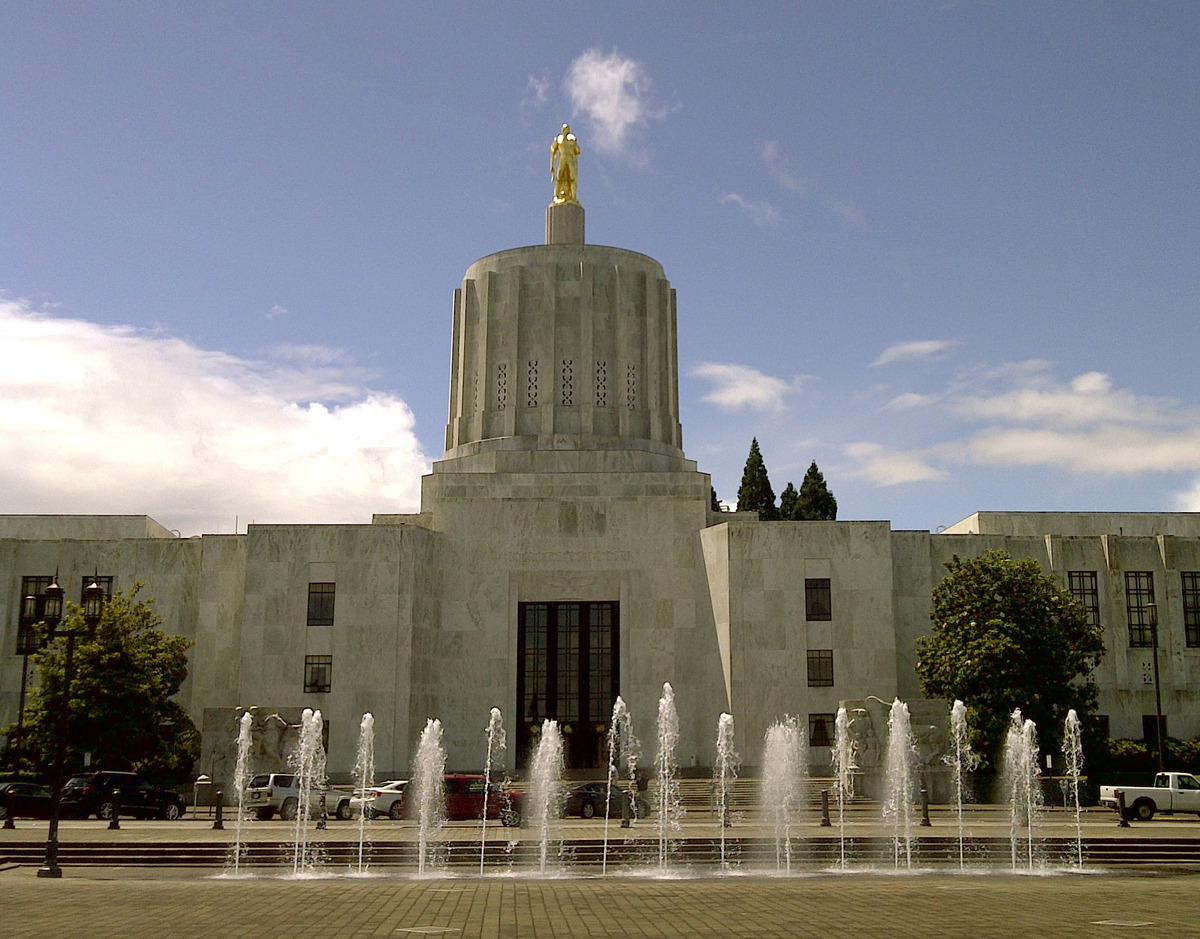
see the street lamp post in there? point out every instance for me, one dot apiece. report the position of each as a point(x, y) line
point(93, 604)
point(1158, 715)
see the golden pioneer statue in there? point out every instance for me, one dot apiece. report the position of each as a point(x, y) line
point(566, 173)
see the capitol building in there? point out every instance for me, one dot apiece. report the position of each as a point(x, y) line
point(567, 551)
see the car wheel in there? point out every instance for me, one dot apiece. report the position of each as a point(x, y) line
point(106, 811)
point(396, 810)
point(265, 815)
point(288, 810)
point(171, 812)
point(587, 810)
point(1143, 810)
point(510, 818)
point(343, 810)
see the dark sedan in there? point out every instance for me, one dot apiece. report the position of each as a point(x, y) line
point(591, 798)
point(24, 800)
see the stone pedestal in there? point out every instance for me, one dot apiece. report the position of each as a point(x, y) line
point(564, 224)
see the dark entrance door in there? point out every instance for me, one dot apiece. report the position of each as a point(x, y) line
point(567, 670)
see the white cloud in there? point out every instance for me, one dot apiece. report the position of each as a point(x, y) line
point(103, 419)
point(762, 214)
point(537, 90)
point(1189, 499)
point(739, 387)
point(909, 401)
point(613, 92)
point(788, 178)
point(919, 350)
point(886, 467)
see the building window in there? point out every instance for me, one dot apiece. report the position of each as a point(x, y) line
point(1086, 590)
point(1191, 608)
point(29, 612)
point(320, 604)
point(820, 668)
point(821, 730)
point(818, 605)
point(1101, 723)
point(318, 674)
point(1139, 594)
point(1148, 734)
point(568, 656)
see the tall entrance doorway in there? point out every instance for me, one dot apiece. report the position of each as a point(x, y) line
point(567, 655)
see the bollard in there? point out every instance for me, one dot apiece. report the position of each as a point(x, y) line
point(1124, 819)
point(925, 823)
point(8, 820)
point(322, 814)
point(219, 824)
point(115, 823)
point(825, 822)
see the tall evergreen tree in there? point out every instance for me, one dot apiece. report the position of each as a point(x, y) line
point(787, 501)
point(755, 493)
point(716, 503)
point(816, 502)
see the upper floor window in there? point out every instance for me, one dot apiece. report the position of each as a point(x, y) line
point(820, 668)
point(818, 603)
point(320, 604)
point(1139, 597)
point(318, 674)
point(104, 580)
point(1191, 608)
point(1084, 587)
point(31, 605)
point(821, 730)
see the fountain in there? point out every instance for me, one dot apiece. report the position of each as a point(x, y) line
point(495, 745)
point(899, 782)
point(308, 761)
point(963, 761)
point(545, 786)
point(1073, 756)
point(364, 772)
point(843, 765)
point(724, 774)
point(241, 779)
point(669, 806)
point(1021, 776)
point(623, 746)
point(429, 770)
point(784, 766)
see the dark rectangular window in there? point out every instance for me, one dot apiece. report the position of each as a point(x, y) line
point(820, 668)
point(1139, 594)
point(1101, 722)
point(818, 604)
point(318, 674)
point(1148, 734)
point(821, 730)
point(1191, 608)
point(1084, 587)
point(320, 604)
point(29, 612)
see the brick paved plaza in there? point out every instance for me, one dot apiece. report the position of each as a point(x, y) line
point(99, 903)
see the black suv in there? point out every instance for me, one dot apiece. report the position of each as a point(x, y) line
point(93, 794)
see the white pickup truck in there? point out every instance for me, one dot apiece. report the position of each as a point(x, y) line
point(1172, 792)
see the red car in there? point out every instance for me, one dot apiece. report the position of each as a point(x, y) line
point(464, 800)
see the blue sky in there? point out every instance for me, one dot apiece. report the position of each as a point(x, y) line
point(948, 250)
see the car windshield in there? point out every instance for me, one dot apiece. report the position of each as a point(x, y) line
point(79, 780)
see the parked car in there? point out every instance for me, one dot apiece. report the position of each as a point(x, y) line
point(387, 798)
point(24, 800)
point(96, 794)
point(464, 800)
point(1170, 794)
point(271, 793)
point(590, 799)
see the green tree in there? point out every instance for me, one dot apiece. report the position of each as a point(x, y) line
point(787, 501)
point(715, 503)
point(122, 710)
point(755, 493)
point(1006, 636)
point(816, 502)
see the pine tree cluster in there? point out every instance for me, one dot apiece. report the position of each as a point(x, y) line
point(814, 501)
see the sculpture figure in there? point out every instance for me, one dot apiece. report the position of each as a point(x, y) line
point(564, 166)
